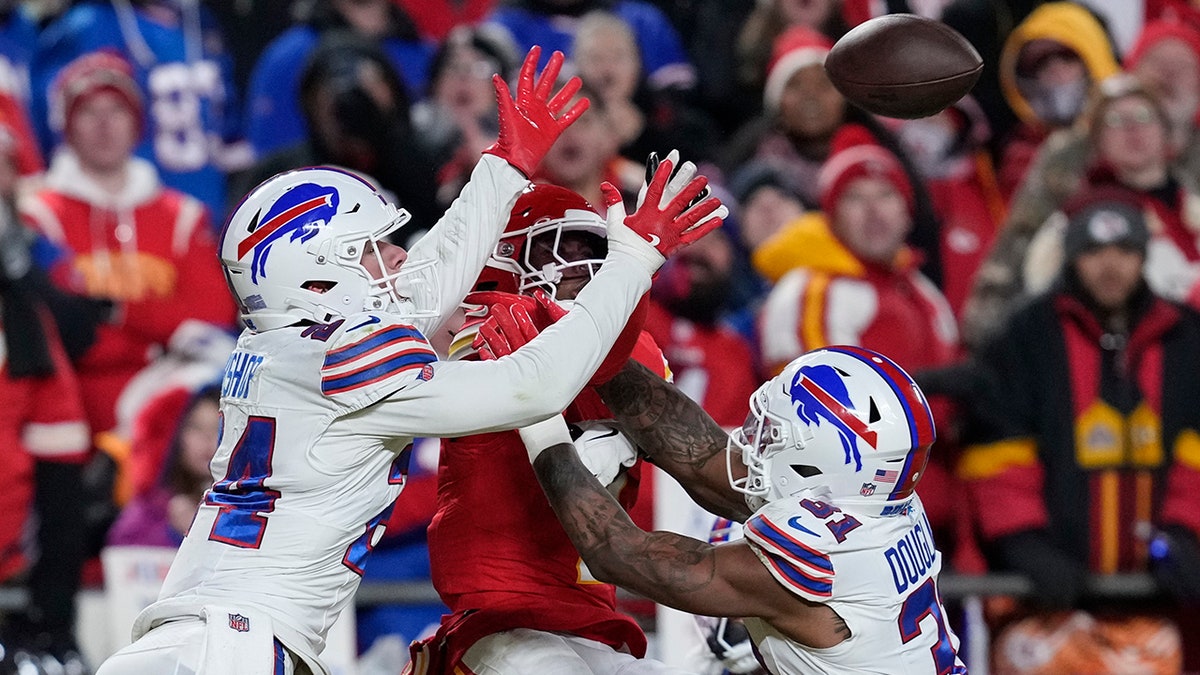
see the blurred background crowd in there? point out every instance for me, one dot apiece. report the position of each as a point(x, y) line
point(1031, 254)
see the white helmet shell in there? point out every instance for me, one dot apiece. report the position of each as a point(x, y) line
point(292, 250)
point(843, 420)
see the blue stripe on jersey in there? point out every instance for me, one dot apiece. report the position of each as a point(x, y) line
point(767, 530)
point(375, 341)
point(798, 577)
point(279, 659)
point(378, 371)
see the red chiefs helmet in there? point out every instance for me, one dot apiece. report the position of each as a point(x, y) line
point(545, 213)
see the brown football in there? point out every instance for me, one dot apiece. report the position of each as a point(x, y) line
point(903, 65)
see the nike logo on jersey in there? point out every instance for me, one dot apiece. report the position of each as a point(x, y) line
point(795, 523)
point(653, 239)
point(370, 320)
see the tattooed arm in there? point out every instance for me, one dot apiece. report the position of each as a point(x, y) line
point(677, 571)
point(677, 435)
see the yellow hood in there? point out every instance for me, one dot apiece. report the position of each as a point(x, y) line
point(1063, 22)
point(805, 242)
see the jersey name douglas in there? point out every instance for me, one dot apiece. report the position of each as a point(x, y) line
point(288, 452)
point(878, 573)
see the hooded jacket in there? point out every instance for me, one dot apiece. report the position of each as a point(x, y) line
point(832, 297)
point(1063, 22)
point(147, 248)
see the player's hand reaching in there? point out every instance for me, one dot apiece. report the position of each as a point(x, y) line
point(680, 177)
point(530, 123)
point(510, 321)
point(669, 217)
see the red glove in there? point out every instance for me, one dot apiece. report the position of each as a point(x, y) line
point(656, 230)
point(511, 320)
point(530, 124)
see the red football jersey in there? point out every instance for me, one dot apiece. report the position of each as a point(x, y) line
point(500, 559)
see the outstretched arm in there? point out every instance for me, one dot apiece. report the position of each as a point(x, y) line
point(677, 435)
point(677, 571)
point(531, 119)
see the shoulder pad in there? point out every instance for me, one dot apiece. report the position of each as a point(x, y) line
point(793, 543)
point(371, 356)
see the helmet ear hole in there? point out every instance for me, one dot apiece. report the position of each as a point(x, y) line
point(806, 470)
point(873, 415)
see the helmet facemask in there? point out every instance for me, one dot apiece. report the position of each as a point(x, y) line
point(548, 247)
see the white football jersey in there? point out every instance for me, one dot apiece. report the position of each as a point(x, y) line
point(316, 422)
point(878, 573)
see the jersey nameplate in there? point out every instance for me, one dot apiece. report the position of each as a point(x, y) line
point(239, 372)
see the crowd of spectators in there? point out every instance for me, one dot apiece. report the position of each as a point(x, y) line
point(1032, 253)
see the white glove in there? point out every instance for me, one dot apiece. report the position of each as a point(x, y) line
point(604, 450)
point(601, 448)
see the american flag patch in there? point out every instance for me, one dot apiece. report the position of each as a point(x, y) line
point(887, 476)
point(377, 357)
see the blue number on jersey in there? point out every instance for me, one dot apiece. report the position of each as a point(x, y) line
point(356, 555)
point(242, 494)
point(919, 604)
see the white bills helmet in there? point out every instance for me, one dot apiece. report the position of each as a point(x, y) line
point(845, 420)
point(292, 251)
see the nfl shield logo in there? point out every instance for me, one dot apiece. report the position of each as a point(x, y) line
point(239, 623)
point(867, 489)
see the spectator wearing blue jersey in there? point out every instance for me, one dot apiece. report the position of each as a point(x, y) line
point(193, 124)
point(18, 40)
point(553, 24)
point(273, 115)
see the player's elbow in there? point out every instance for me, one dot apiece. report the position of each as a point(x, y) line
point(609, 570)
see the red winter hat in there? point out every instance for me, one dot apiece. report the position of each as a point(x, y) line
point(796, 48)
point(1157, 31)
point(90, 74)
point(856, 154)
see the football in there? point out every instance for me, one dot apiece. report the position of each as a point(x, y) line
point(903, 65)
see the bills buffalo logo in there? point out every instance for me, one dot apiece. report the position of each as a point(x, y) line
point(298, 214)
point(820, 396)
point(239, 623)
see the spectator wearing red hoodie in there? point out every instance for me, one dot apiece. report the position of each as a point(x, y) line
point(43, 444)
point(1166, 57)
point(856, 282)
point(143, 247)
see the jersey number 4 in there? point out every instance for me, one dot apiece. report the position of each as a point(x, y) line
point(242, 495)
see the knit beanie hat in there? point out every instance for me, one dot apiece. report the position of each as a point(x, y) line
point(1157, 31)
point(798, 47)
point(856, 154)
point(90, 74)
point(1104, 216)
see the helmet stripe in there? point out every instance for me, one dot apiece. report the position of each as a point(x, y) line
point(920, 419)
point(279, 221)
